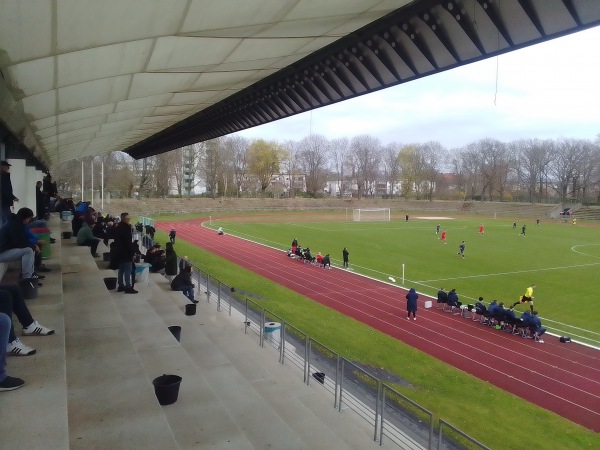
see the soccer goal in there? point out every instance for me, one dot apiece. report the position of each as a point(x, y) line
point(363, 215)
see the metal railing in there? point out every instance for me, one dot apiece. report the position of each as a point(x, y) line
point(394, 417)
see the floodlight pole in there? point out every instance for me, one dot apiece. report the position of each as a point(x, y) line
point(402, 274)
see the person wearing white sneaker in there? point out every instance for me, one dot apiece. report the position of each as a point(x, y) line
point(6, 383)
point(11, 300)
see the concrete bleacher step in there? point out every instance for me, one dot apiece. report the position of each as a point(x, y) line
point(35, 416)
point(267, 400)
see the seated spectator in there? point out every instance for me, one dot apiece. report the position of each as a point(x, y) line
point(536, 325)
point(326, 261)
point(480, 307)
point(492, 308)
point(15, 245)
point(156, 256)
point(453, 299)
point(184, 262)
point(170, 261)
point(526, 318)
point(12, 301)
point(82, 207)
point(509, 314)
point(86, 238)
point(183, 282)
point(7, 383)
point(34, 241)
point(442, 296)
point(76, 223)
point(99, 230)
point(307, 255)
point(319, 258)
point(220, 231)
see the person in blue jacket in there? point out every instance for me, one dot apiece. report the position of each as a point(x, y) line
point(536, 323)
point(453, 298)
point(411, 303)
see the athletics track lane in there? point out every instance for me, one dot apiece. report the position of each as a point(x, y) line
point(562, 378)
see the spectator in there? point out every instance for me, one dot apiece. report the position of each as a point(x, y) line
point(183, 282)
point(326, 261)
point(7, 383)
point(148, 239)
point(172, 235)
point(220, 231)
point(41, 202)
point(170, 262)
point(453, 299)
point(11, 300)
point(77, 222)
point(411, 303)
point(85, 237)
point(157, 258)
point(319, 258)
point(14, 243)
point(184, 262)
point(124, 254)
point(345, 256)
point(536, 324)
point(7, 198)
point(442, 296)
point(480, 307)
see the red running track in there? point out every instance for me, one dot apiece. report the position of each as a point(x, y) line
point(563, 378)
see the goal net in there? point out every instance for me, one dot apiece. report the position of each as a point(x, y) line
point(363, 215)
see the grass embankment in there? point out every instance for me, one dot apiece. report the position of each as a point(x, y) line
point(491, 415)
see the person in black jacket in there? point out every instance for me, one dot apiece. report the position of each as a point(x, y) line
point(183, 282)
point(14, 242)
point(7, 197)
point(171, 261)
point(345, 255)
point(124, 254)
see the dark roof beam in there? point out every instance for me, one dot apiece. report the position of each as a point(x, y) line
point(458, 13)
point(330, 77)
point(343, 71)
point(573, 11)
point(385, 46)
point(431, 21)
point(491, 9)
point(354, 65)
point(323, 86)
point(529, 9)
point(368, 54)
point(420, 44)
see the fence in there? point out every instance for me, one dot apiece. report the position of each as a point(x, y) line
point(395, 418)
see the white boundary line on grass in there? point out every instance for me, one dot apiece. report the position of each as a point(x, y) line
point(509, 273)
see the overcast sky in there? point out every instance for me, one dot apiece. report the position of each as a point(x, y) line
point(549, 90)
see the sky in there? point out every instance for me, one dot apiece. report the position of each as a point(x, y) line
point(546, 91)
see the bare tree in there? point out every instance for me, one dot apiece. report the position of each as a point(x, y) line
point(237, 149)
point(533, 156)
point(312, 156)
point(211, 166)
point(391, 166)
point(289, 165)
point(366, 152)
point(432, 155)
point(563, 167)
point(162, 173)
point(339, 155)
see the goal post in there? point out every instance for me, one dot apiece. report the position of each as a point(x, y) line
point(372, 214)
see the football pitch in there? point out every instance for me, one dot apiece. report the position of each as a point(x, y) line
point(563, 260)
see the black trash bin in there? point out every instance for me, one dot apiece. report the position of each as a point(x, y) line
point(67, 234)
point(166, 388)
point(190, 310)
point(106, 256)
point(176, 331)
point(111, 283)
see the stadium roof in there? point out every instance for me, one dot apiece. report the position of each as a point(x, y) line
point(83, 77)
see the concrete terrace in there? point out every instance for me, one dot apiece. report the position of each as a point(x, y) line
point(90, 384)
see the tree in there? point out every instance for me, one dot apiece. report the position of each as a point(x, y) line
point(366, 152)
point(263, 161)
point(432, 155)
point(237, 150)
point(408, 160)
point(533, 156)
point(211, 164)
point(313, 151)
point(339, 154)
point(391, 166)
point(289, 164)
point(563, 167)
